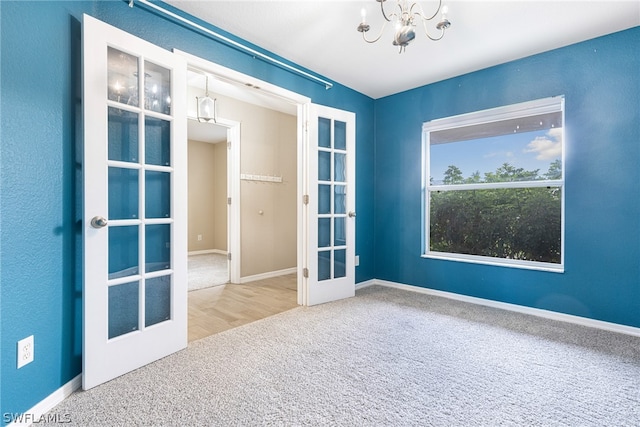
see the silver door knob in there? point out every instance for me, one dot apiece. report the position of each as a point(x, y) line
point(98, 221)
point(352, 214)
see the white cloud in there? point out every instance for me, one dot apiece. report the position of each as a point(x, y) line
point(546, 147)
point(556, 134)
point(507, 154)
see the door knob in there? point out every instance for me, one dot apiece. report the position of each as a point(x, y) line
point(352, 214)
point(98, 221)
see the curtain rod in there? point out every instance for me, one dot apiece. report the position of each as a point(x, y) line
point(240, 46)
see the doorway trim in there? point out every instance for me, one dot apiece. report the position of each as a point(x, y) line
point(302, 104)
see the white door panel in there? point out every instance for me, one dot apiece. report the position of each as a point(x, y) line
point(134, 251)
point(331, 208)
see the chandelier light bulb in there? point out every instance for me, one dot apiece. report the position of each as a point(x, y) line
point(363, 14)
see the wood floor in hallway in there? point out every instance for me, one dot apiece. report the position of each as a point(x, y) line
point(219, 308)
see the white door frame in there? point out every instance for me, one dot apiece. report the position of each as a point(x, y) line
point(233, 191)
point(302, 104)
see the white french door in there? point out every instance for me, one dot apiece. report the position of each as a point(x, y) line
point(134, 219)
point(330, 212)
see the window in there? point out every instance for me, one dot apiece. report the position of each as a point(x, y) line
point(494, 186)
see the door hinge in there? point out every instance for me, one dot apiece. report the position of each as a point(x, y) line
point(306, 126)
point(228, 200)
point(305, 199)
point(229, 256)
point(305, 273)
point(229, 145)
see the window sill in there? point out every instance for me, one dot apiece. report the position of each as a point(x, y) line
point(475, 259)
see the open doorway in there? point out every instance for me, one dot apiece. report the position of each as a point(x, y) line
point(244, 166)
point(207, 241)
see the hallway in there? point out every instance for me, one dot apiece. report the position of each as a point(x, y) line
point(219, 308)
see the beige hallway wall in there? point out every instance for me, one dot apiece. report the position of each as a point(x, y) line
point(268, 210)
point(207, 165)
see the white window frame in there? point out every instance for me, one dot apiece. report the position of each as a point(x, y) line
point(531, 108)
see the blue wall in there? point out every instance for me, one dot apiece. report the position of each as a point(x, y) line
point(40, 264)
point(600, 79)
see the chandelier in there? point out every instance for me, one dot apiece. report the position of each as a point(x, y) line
point(206, 106)
point(405, 18)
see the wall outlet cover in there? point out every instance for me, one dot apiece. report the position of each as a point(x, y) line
point(25, 351)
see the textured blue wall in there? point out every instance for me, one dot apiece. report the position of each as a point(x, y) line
point(600, 79)
point(40, 264)
point(39, 271)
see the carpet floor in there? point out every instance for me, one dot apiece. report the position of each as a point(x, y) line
point(387, 357)
point(207, 270)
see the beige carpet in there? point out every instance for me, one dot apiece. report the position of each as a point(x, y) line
point(387, 357)
point(207, 270)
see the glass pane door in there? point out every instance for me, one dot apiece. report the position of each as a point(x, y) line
point(139, 192)
point(331, 215)
point(332, 209)
point(134, 226)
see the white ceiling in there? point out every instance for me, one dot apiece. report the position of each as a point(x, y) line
point(322, 36)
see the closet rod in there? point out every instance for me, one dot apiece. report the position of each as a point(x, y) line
point(240, 46)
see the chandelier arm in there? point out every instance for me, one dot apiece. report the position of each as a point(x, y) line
point(421, 12)
point(426, 32)
point(364, 37)
point(384, 14)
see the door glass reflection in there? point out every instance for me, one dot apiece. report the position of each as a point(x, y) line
point(158, 194)
point(122, 134)
point(157, 88)
point(123, 309)
point(123, 193)
point(340, 135)
point(122, 77)
point(324, 265)
point(157, 247)
point(157, 300)
point(324, 132)
point(123, 251)
point(157, 134)
point(339, 263)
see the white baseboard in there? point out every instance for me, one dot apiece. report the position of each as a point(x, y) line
point(207, 251)
point(553, 315)
point(365, 284)
point(35, 414)
point(268, 275)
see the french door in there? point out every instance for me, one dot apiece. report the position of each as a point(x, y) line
point(331, 205)
point(134, 219)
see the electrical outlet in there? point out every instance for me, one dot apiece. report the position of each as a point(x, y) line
point(25, 351)
point(357, 260)
point(199, 237)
